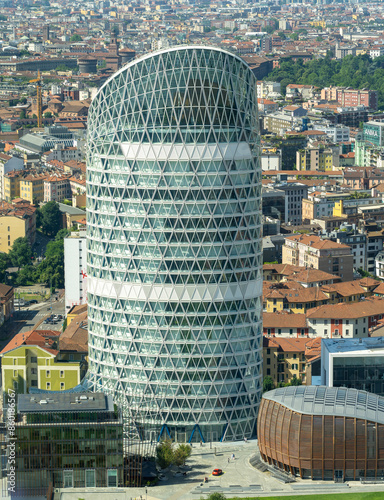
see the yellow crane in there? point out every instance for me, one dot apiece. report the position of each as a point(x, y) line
point(39, 100)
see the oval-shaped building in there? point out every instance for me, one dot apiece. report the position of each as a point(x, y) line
point(174, 243)
point(323, 432)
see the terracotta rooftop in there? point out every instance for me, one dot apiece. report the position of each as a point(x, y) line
point(284, 320)
point(371, 306)
point(32, 337)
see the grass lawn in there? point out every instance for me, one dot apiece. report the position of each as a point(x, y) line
point(32, 296)
point(328, 496)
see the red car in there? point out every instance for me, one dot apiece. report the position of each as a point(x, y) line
point(217, 472)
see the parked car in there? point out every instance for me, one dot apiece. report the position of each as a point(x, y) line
point(217, 472)
point(33, 301)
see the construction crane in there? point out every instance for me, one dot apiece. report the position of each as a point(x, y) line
point(39, 100)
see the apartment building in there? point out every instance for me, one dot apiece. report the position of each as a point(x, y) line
point(351, 97)
point(32, 187)
point(57, 188)
point(318, 158)
point(347, 319)
point(32, 360)
point(295, 192)
point(325, 255)
point(17, 220)
point(8, 164)
point(286, 359)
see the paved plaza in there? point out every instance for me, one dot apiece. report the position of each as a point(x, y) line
point(240, 480)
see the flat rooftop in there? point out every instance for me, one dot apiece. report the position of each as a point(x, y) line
point(64, 402)
point(364, 346)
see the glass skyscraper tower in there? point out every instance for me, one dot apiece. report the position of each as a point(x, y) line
point(174, 243)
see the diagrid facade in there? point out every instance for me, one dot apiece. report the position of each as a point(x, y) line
point(174, 243)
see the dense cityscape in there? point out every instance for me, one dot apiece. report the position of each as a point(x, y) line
point(191, 249)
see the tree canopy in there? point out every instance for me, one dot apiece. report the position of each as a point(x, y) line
point(75, 38)
point(352, 71)
point(50, 218)
point(167, 455)
point(268, 384)
point(21, 253)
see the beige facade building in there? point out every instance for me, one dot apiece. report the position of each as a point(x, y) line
point(314, 252)
point(17, 220)
point(286, 359)
point(32, 188)
point(318, 158)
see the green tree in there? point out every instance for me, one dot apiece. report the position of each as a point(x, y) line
point(164, 453)
point(25, 276)
point(295, 381)
point(294, 36)
point(22, 115)
point(76, 38)
point(268, 384)
point(21, 252)
point(5, 262)
point(50, 218)
point(216, 496)
point(47, 114)
point(52, 267)
point(180, 455)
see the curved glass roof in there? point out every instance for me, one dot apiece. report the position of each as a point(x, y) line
point(335, 401)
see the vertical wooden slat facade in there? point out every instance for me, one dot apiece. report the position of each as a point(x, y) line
point(315, 446)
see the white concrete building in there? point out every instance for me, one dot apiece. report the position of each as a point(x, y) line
point(353, 363)
point(337, 133)
point(75, 269)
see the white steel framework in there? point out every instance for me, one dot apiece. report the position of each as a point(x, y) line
point(174, 242)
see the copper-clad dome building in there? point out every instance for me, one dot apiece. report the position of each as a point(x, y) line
point(323, 432)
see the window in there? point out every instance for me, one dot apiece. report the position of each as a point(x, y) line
point(14, 361)
point(336, 332)
point(290, 331)
point(325, 322)
point(112, 478)
point(62, 386)
point(347, 321)
point(61, 373)
point(325, 331)
point(48, 387)
point(336, 321)
point(34, 383)
point(33, 359)
point(90, 479)
point(294, 356)
point(15, 373)
point(268, 351)
point(48, 373)
point(268, 361)
point(47, 362)
point(68, 478)
point(295, 366)
point(268, 371)
point(9, 228)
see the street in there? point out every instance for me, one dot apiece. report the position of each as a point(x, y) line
point(30, 317)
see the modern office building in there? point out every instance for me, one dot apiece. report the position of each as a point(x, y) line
point(174, 243)
point(355, 363)
point(67, 440)
point(322, 432)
